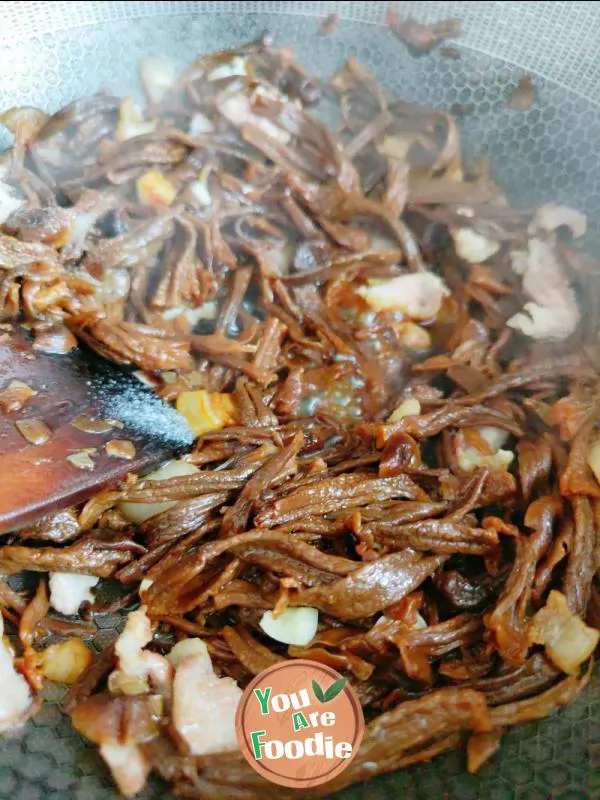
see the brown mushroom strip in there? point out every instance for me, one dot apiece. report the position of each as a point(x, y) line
point(373, 587)
point(508, 618)
point(541, 705)
point(254, 656)
point(580, 565)
point(327, 495)
point(86, 557)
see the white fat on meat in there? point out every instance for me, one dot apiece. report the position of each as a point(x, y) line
point(115, 285)
point(417, 295)
point(139, 669)
point(132, 122)
point(193, 315)
point(15, 697)
point(9, 202)
point(157, 76)
point(69, 590)
point(552, 312)
point(229, 69)
point(519, 261)
point(237, 108)
point(378, 241)
point(277, 257)
point(472, 247)
point(127, 765)
point(470, 458)
point(9, 198)
point(199, 695)
point(551, 216)
point(201, 192)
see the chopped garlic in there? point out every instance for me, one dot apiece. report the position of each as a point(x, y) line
point(237, 66)
point(190, 647)
point(16, 394)
point(120, 448)
point(296, 626)
point(34, 431)
point(153, 189)
point(131, 121)
point(472, 247)
point(569, 642)
point(20, 385)
point(157, 76)
point(420, 624)
point(66, 661)
point(15, 697)
point(407, 408)
point(417, 295)
point(495, 437)
point(207, 411)
point(200, 191)
point(470, 458)
point(82, 459)
point(414, 337)
point(69, 590)
point(127, 765)
point(140, 512)
point(145, 584)
point(88, 424)
point(198, 696)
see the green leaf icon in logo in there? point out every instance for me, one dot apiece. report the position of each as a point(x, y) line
point(329, 694)
point(334, 689)
point(318, 692)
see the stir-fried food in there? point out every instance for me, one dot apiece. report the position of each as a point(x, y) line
point(393, 380)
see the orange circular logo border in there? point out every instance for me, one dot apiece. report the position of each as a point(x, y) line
point(304, 771)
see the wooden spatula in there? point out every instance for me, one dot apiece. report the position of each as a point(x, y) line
point(73, 462)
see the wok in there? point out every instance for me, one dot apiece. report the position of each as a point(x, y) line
point(53, 52)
